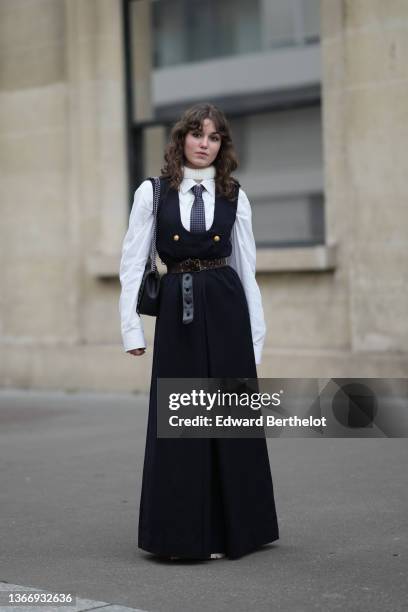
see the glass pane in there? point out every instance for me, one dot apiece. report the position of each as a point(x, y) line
point(311, 20)
point(281, 172)
point(168, 31)
point(296, 220)
point(194, 30)
point(278, 25)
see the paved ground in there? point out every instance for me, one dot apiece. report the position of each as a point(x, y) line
point(70, 472)
point(9, 594)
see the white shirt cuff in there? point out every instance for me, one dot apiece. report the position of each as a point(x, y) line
point(133, 339)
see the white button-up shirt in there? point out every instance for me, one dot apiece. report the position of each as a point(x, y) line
point(136, 250)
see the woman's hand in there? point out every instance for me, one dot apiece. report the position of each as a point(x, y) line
point(138, 351)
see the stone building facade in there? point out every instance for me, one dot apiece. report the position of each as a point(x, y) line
point(333, 310)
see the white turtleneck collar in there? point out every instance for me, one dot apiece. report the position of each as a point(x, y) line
point(199, 174)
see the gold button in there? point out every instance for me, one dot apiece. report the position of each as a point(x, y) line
point(176, 237)
point(217, 238)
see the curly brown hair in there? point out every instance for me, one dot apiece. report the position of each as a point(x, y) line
point(225, 162)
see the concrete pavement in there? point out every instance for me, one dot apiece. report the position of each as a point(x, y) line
point(70, 474)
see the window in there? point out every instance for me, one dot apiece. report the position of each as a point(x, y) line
point(277, 132)
point(192, 30)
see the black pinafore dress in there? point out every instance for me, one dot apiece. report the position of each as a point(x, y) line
point(203, 495)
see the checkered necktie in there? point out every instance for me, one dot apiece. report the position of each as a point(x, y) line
point(197, 217)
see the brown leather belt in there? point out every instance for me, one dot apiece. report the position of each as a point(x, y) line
point(185, 267)
point(196, 265)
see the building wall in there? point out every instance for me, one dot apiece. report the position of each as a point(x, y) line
point(64, 203)
point(63, 194)
point(38, 287)
point(365, 111)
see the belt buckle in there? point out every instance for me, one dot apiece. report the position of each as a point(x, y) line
point(195, 262)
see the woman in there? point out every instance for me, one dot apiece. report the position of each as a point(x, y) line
point(201, 498)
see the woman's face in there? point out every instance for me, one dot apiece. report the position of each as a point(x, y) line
point(201, 146)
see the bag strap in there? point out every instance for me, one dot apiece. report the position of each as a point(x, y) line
point(156, 197)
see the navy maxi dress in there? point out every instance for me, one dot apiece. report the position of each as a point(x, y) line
point(203, 495)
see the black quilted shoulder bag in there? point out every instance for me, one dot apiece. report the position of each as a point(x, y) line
point(149, 293)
